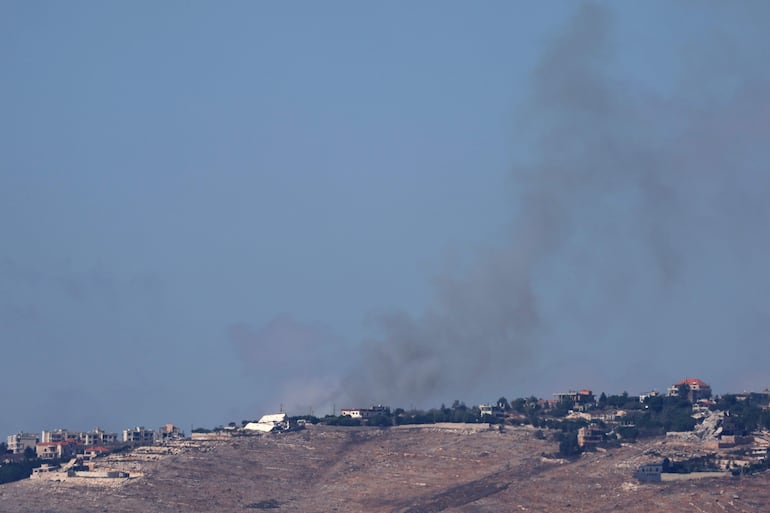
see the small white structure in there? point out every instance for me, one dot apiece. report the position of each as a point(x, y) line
point(268, 423)
point(491, 410)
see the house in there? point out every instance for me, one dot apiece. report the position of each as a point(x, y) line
point(58, 435)
point(590, 435)
point(693, 388)
point(649, 472)
point(92, 451)
point(20, 441)
point(364, 413)
point(169, 432)
point(581, 400)
point(491, 410)
point(97, 436)
point(44, 470)
point(139, 436)
point(613, 418)
point(56, 450)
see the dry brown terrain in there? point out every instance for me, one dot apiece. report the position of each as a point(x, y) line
point(407, 470)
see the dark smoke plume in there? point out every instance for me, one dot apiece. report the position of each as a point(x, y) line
point(636, 256)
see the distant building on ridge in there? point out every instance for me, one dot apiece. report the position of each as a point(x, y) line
point(692, 388)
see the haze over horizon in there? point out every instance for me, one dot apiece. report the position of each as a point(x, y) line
point(212, 210)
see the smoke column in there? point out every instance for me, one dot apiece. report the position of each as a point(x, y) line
point(636, 256)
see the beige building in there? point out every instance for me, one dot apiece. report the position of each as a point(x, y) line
point(693, 388)
point(55, 450)
point(139, 436)
point(97, 436)
point(590, 435)
point(20, 441)
point(58, 435)
point(169, 432)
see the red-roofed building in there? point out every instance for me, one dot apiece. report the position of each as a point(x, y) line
point(581, 400)
point(95, 450)
point(56, 450)
point(693, 388)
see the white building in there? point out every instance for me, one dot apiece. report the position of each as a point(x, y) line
point(268, 423)
point(139, 436)
point(58, 435)
point(97, 436)
point(364, 413)
point(20, 441)
point(491, 410)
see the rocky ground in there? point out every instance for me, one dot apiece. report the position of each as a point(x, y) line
point(406, 470)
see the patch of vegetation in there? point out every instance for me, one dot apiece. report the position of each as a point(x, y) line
point(19, 470)
point(662, 414)
point(311, 419)
point(341, 420)
point(743, 415)
point(380, 421)
point(568, 445)
point(458, 412)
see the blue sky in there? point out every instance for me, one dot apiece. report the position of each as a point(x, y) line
point(209, 210)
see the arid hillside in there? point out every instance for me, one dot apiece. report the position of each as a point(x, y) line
point(427, 469)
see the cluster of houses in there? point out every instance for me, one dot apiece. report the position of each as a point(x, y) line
point(600, 421)
point(728, 451)
point(61, 444)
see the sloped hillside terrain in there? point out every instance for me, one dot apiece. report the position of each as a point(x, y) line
point(428, 469)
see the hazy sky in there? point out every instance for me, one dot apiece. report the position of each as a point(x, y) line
point(212, 209)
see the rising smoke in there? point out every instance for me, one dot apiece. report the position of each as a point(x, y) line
point(637, 254)
point(638, 251)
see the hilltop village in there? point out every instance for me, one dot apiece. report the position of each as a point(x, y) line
point(728, 434)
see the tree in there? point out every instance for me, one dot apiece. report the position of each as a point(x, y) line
point(379, 420)
point(503, 404)
point(602, 400)
point(30, 454)
point(342, 420)
point(618, 401)
point(519, 405)
point(563, 407)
